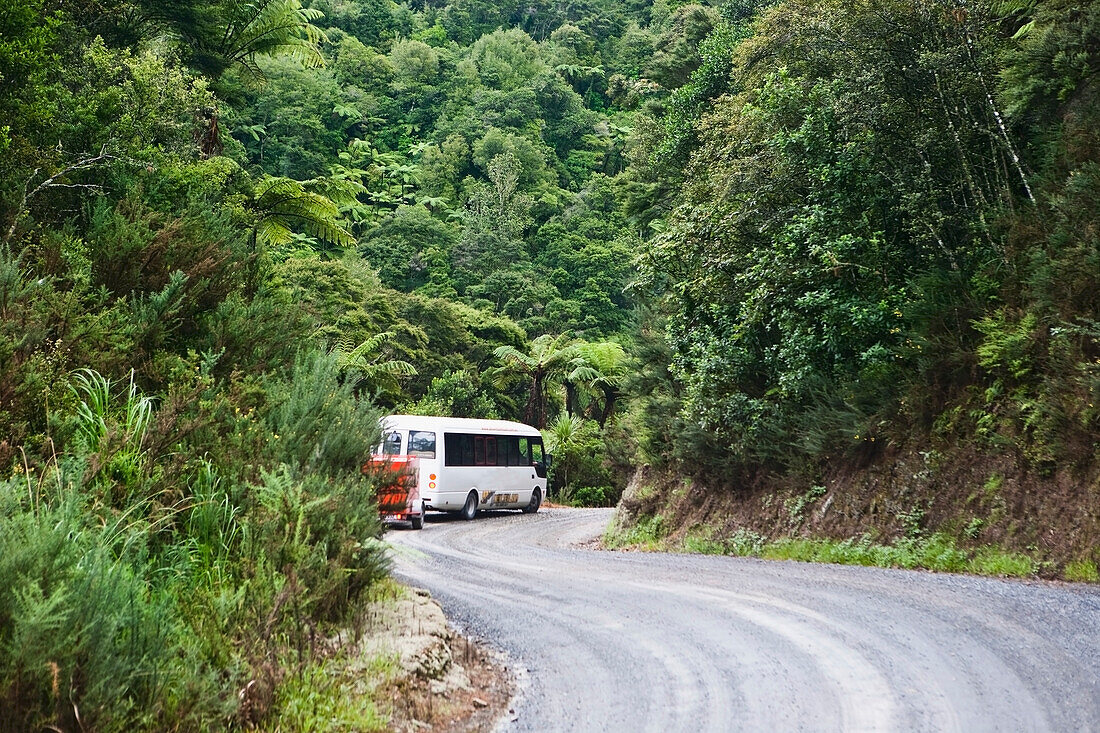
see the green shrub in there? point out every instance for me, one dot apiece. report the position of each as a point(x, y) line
point(317, 421)
point(578, 450)
point(143, 587)
point(322, 532)
point(455, 394)
point(589, 496)
point(87, 628)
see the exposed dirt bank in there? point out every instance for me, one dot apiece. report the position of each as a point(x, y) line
point(1052, 516)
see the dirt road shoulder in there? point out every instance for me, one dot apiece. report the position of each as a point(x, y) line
point(445, 681)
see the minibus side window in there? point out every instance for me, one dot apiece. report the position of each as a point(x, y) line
point(391, 446)
point(464, 449)
point(509, 451)
point(452, 449)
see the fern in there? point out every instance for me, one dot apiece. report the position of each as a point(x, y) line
point(259, 28)
point(368, 365)
point(285, 207)
point(550, 360)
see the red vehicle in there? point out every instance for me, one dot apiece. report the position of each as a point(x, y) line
point(398, 488)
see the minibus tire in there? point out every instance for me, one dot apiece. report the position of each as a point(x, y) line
point(417, 520)
point(535, 503)
point(469, 509)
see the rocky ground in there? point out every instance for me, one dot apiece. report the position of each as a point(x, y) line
point(446, 682)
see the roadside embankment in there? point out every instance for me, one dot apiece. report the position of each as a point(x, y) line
point(955, 511)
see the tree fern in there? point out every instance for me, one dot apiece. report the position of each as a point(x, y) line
point(548, 362)
point(599, 368)
point(285, 207)
point(233, 34)
point(367, 362)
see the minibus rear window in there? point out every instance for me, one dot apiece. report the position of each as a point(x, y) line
point(422, 443)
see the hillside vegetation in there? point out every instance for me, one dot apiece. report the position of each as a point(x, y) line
point(232, 234)
point(878, 274)
point(829, 270)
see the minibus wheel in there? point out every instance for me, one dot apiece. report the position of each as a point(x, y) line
point(469, 509)
point(536, 501)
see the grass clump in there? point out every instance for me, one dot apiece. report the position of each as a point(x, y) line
point(329, 695)
point(937, 552)
point(1081, 571)
point(704, 546)
point(742, 543)
point(648, 533)
point(994, 561)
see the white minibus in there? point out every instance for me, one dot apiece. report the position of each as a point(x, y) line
point(464, 465)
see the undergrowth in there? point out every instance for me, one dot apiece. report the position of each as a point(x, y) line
point(936, 552)
point(647, 534)
point(329, 695)
point(143, 587)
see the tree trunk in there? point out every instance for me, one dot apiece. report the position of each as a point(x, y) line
point(570, 398)
point(609, 396)
point(535, 413)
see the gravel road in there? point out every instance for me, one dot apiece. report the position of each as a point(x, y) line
point(622, 641)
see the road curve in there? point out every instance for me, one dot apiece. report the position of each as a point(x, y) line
point(620, 641)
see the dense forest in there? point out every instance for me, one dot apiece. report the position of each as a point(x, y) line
point(818, 269)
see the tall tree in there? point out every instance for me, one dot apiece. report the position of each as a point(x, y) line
point(598, 368)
